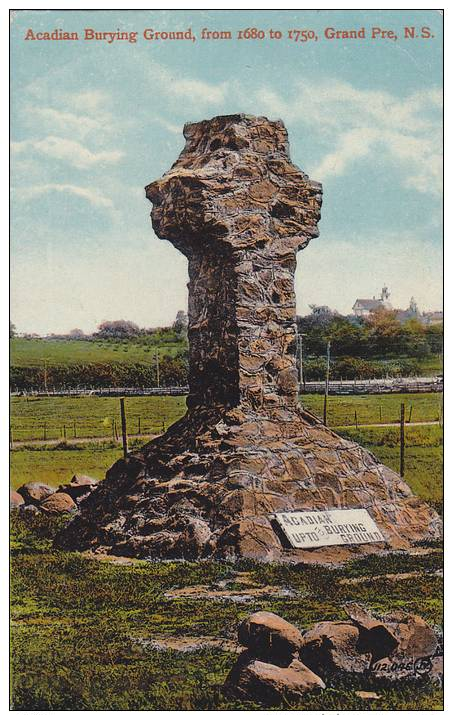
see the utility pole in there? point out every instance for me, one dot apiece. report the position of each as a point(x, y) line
point(45, 374)
point(326, 390)
point(123, 427)
point(301, 360)
point(402, 441)
point(157, 367)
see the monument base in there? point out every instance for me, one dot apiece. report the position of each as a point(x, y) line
point(209, 487)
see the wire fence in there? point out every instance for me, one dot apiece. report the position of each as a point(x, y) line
point(25, 429)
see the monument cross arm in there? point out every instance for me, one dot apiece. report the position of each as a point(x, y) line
point(237, 207)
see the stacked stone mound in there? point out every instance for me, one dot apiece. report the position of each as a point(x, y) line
point(237, 207)
point(280, 664)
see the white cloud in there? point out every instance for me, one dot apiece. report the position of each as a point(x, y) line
point(358, 123)
point(92, 195)
point(199, 91)
point(351, 146)
point(66, 122)
point(90, 101)
point(67, 150)
point(169, 126)
point(181, 87)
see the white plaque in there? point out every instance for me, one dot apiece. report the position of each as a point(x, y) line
point(310, 529)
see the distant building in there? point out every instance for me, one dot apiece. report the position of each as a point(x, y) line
point(434, 317)
point(412, 312)
point(363, 306)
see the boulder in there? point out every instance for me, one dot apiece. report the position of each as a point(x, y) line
point(58, 503)
point(367, 695)
point(30, 509)
point(269, 637)
point(79, 487)
point(394, 633)
point(402, 645)
point(15, 499)
point(330, 648)
point(252, 679)
point(82, 480)
point(35, 492)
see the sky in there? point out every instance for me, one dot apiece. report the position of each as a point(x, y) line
point(93, 122)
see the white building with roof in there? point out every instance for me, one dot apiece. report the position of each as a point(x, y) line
point(363, 306)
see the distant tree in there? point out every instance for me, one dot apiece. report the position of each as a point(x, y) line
point(385, 332)
point(76, 334)
point(181, 322)
point(117, 329)
point(12, 330)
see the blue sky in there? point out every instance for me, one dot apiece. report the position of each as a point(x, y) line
point(93, 122)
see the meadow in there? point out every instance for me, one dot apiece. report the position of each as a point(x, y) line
point(29, 352)
point(35, 352)
point(94, 635)
point(92, 417)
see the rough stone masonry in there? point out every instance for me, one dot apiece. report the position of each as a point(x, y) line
point(237, 207)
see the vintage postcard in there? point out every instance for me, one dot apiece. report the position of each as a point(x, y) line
point(226, 360)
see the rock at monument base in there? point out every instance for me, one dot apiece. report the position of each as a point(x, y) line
point(79, 487)
point(35, 492)
point(82, 480)
point(15, 500)
point(58, 503)
point(256, 680)
point(332, 647)
point(269, 637)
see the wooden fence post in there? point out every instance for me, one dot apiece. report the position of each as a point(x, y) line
point(356, 419)
point(123, 427)
point(410, 414)
point(11, 443)
point(139, 426)
point(326, 386)
point(64, 431)
point(380, 413)
point(402, 441)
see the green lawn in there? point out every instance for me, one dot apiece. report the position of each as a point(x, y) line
point(37, 353)
point(423, 456)
point(373, 409)
point(93, 417)
point(81, 629)
point(39, 417)
point(56, 466)
point(46, 417)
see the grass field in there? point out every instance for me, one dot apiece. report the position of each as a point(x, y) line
point(82, 630)
point(45, 417)
point(55, 464)
point(37, 353)
point(423, 456)
point(373, 409)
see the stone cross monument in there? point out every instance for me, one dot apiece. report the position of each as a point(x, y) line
point(240, 210)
